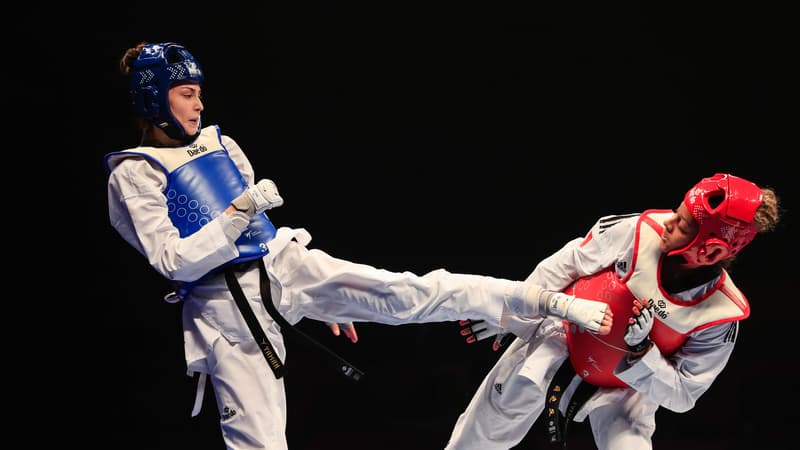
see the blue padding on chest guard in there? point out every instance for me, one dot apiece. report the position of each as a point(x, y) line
point(209, 200)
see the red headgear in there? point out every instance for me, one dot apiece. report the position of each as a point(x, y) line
point(724, 207)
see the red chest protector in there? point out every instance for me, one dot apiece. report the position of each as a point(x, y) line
point(594, 357)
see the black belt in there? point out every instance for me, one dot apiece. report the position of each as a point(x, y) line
point(273, 360)
point(557, 423)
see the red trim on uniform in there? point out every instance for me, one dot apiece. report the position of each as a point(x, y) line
point(657, 227)
point(586, 239)
point(734, 298)
point(716, 322)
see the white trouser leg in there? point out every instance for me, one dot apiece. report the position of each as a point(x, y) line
point(315, 285)
point(251, 401)
point(628, 423)
point(503, 409)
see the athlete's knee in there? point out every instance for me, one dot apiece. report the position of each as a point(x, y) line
point(251, 430)
point(624, 432)
point(517, 393)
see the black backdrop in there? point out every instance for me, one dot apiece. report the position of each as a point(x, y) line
point(474, 138)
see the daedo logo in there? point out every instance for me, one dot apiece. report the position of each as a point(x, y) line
point(195, 149)
point(660, 308)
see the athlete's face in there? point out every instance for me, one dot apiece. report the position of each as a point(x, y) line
point(679, 230)
point(186, 106)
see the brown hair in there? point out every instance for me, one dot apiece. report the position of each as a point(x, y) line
point(125, 67)
point(768, 213)
point(766, 218)
point(126, 62)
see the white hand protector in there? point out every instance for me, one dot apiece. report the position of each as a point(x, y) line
point(258, 198)
point(529, 300)
point(588, 314)
point(639, 326)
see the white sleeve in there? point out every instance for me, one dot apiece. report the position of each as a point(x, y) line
point(677, 381)
point(610, 239)
point(138, 211)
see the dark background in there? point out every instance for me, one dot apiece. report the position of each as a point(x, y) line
point(474, 138)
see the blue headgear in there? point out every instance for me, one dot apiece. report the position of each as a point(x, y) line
point(158, 67)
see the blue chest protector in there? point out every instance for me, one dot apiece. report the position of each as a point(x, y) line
point(202, 180)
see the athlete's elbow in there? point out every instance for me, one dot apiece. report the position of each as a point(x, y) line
point(679, 404)
point(173, 272)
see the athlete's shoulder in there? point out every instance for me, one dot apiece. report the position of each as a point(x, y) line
point(226, 139)
point(616, 222)
point(611, 231)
